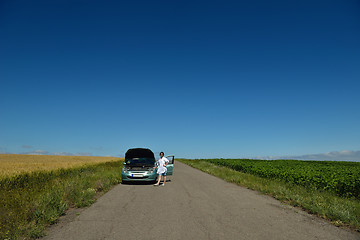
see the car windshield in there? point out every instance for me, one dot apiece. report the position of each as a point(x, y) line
point(140, 161)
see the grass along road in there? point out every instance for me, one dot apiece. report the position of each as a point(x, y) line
point(31, 201)
point(339, 210)
point(193, 205)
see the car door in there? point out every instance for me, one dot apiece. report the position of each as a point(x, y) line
point(170, 166)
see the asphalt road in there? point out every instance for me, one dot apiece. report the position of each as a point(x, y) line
point(193, 205)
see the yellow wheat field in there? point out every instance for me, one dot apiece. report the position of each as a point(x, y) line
point(13, 164)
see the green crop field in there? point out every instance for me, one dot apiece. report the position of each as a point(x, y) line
point(342, 178)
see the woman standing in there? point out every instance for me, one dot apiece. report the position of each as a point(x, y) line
point(162, 170)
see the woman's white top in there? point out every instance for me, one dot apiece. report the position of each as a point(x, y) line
point(160, 163)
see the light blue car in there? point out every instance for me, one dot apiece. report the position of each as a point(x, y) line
point(139, 166)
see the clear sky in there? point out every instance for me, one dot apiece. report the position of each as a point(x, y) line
point(196, 79)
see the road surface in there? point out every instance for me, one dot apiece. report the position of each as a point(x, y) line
point(193, 205)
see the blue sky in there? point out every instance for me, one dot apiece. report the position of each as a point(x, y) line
point(252, 79)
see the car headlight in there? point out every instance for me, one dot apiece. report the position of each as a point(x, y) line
point(125, 170)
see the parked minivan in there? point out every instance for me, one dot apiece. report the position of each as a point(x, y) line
point(139, 165)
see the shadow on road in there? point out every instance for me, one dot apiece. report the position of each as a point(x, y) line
point(142, 182)
point(138, 183)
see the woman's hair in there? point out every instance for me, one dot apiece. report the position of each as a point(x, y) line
point(162, 153)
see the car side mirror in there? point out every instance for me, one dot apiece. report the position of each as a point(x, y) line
point(124, 163)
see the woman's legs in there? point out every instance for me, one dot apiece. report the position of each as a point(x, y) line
point(164, 180)
point(159, 178)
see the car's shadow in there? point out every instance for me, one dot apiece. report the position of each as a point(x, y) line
point(138, 183)
point(143, 182)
